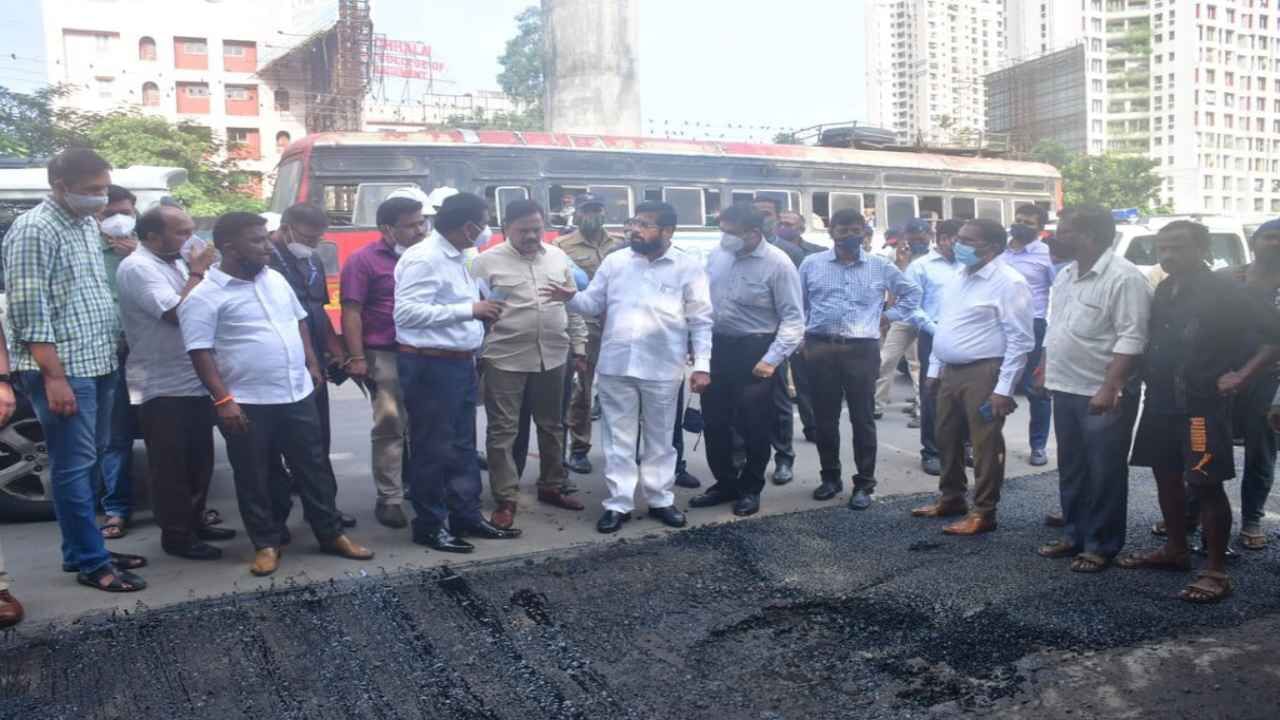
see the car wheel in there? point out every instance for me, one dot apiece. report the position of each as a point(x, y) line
point(25, 492)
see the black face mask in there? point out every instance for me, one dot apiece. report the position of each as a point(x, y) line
point(851, 244)
point(591, 225)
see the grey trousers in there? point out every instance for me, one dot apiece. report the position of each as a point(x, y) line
point(1093, 471)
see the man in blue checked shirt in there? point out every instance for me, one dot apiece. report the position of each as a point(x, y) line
point(844, 297)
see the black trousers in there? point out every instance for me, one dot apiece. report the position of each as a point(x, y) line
point(804, 391)
point(928, 400)
point(178, 432)
point(737, 401)
point(282, 478)
point(293, 429)
point(783, 428)
point(845, 372)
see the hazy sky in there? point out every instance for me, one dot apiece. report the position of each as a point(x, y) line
point(711, 61)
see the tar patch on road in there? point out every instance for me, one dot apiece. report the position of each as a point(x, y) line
point(821, 614)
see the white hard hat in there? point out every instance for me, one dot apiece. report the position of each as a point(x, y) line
point(273, 220)
point(413, 192)
point(438, 196)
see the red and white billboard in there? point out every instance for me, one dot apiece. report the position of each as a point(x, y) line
point(405, 59)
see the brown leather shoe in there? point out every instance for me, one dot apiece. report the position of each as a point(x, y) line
point(10, 610)
point(265, 561)
point(971, 525)
point(345, 547)
point(505, 516)
point(554, 496)
point(940, 510)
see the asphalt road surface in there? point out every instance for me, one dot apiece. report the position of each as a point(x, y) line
point(825, 613)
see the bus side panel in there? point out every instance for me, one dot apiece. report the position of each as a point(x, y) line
point(347, 240)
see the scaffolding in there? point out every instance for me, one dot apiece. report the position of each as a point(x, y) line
point(1043, 98)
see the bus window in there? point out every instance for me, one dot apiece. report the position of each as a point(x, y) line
point(789, 200)
point(653, 194)
point(963, 208)
point(501, 196)
point(931, 208)
point(617, 202)
point(688, 202)
point(560, 204)
point(743, 197)
point(368, 197)
point(711, 203)
point(991, 209)
point(285, 193)
point(339, 202)
point(845, 201)
point(901, 209)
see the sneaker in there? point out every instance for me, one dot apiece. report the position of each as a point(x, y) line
point(1039, 457)
point(931, 466)
point(579, 463)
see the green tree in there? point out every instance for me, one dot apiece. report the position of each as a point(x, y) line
point(785, 138)
point(480, 120)
point(1111, 180)
point(523, 77)
point(36, 126)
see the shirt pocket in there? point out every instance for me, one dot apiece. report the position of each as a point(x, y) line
point(666, 299)
point(508, 287)
point(1088, 320)
point(754, 293)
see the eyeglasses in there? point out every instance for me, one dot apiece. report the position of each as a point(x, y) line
point(640, 224)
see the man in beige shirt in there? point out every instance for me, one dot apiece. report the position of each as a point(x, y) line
point(587, 247)
point(526, 349)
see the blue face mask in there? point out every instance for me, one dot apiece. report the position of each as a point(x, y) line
point(966, 255)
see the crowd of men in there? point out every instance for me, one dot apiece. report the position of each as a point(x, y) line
point(115, 316)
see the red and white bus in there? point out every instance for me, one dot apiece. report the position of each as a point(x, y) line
point(349, 174)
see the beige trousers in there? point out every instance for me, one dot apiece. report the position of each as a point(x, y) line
point(899, 340)
point(388, 433)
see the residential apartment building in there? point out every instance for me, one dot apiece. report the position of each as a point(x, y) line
point(926, 60)
point(191, 61)
point(1195, 85)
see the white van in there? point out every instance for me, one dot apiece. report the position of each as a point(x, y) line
point(1227, 243)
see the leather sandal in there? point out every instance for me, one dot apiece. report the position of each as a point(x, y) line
point(1209, 587)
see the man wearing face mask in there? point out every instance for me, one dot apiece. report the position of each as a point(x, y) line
point(439, 320)
point(657, 310)
point(791, 227)
point(758, 322)
point(116, 222)
point(525, 357)
point(782, 437)
point(844, 292)
point(368, 291)
point(64, 342)
point(587, 247)
point(293, 255)
point(1029, 255)
point(980, 348)
point(248, 339)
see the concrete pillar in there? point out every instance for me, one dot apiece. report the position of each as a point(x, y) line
point(591, 68)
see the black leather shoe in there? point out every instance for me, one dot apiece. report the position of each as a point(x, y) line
point(828, 490)
point(669, 516)
point(444, 541)
point(486, 530)
point(685, 480)
point(782, 473)
point(748, 504)
point(710, 498)
point(861, 500)
point(348, 521)
point(579, 463)
point(611, 521)
point(195, 551)
point(215, 534)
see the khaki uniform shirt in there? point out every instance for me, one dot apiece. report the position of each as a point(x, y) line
point(533, 334)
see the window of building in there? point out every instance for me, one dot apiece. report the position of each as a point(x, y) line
point(195, 47)
point(282, 100)
point(150, 94)
point(147, 49)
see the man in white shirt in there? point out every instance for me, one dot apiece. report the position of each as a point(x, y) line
point(657, 304)
point(979, 351)
point(1101, 308)
point(439, 328)
point(174, 410)
point(246, 333)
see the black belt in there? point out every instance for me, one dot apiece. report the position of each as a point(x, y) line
point(755, 336)
point(837, 339)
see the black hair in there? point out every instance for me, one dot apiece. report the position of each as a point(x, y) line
point(847, 216)
point(305, 214)
point(392, 209)
point(76, 164)
point(950, 228)
point(775, 202)
point(799, 215)
point(517, 209)
point(152, 221)
point(1042, 215)
point(115, 193)
point(666, 214)
point(992, 232)
point(1093, 220)
point(744, 217)
point(1198, 232)
point(458, 210)
point(230, 226)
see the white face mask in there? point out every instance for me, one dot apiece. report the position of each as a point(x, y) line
point(300, 251)
point(731, 243)
point(84, 205)
point(398, 249)
point(118, 226)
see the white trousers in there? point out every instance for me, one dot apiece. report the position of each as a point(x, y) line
point(899, 340)
point(621, 402)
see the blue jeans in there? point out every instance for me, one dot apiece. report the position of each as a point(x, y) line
point(1093, 472)
point(74, 444)
point(1040, 401)
point(442, 470)
point(117, 454)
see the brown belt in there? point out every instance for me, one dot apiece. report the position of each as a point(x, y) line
point(438, 352)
